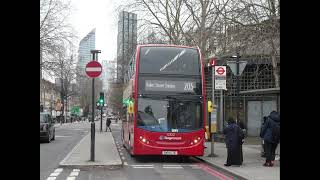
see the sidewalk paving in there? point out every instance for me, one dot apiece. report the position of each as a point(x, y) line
point(252, 168)
point(106, 153)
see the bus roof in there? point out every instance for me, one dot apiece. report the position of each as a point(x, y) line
point(165, 45)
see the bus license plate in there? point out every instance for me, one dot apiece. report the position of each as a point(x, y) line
point(169, 152)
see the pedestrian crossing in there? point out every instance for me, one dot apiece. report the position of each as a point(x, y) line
point(60, 174)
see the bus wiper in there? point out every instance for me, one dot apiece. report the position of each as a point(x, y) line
point(189, 93)
point(171, 97)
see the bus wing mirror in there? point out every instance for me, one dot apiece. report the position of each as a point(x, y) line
point(210, 106)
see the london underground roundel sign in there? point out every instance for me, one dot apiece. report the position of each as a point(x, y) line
point(93, 69)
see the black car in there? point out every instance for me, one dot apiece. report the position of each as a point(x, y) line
point(47, 129)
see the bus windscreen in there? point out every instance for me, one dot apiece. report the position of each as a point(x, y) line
point(169, 60)
point(169, 115)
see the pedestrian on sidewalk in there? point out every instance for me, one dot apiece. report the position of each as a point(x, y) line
point(233, 139)
point(243, 129)
point(263, 153)
point(108, 122)
point(271, 137)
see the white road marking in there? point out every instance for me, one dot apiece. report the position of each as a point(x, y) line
point(74, 174)
point(125, 163)
point(123, 158)
point(55, 174)
point(76, 170)
point(61, 136)
point(59, 170)
point(142, 167)
point(121, 154)
point(172, 167)
point(71, 178)
point(51, 178)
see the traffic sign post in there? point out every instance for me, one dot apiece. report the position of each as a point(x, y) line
point(212, 115)
point(237, 68)
point(220, 77)
point(93, 70)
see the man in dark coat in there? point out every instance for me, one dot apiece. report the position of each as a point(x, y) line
point(108, 122)
point(270, 145)
point(233, 138)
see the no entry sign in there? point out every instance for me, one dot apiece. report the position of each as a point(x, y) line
point(93, 69)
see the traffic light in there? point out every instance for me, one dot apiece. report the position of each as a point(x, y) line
point(126, 102)
point(101, 99)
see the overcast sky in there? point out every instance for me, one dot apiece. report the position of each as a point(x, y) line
point(99, 14)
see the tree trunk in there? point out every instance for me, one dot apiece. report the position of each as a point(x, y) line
point(275, 70)
point(203, 40)
point(40, 71)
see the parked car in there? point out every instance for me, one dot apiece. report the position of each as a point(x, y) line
point(47, 129)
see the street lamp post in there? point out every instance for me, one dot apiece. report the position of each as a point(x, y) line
point(238, 85)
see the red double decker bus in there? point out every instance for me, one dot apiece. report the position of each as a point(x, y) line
point(164, 101)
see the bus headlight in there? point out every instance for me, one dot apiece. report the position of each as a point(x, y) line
point(195, 140)
point(144, 140)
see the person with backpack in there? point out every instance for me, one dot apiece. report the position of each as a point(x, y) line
point(271, 137)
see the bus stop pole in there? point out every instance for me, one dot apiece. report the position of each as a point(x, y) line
point(212, 120)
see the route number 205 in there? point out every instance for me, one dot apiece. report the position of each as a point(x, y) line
point(188, 86)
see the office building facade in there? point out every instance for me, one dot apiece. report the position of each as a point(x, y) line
point(126, 41)
point(87, 44)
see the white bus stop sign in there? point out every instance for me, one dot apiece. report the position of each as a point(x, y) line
point(220, 77)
